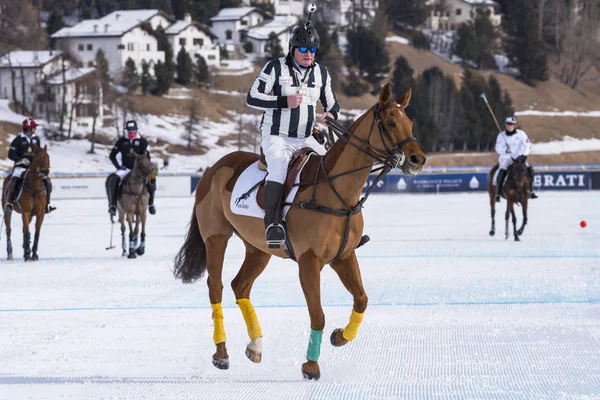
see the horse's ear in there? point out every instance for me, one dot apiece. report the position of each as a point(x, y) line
point(45, 147)
point(404, 100)
point(385, 94)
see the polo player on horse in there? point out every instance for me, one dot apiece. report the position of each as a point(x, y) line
point(287, 90)
point(21, 152)
point(123, 161)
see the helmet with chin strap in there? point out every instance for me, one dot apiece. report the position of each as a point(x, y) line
point(305, 35)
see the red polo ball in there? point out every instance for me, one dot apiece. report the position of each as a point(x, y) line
point(583, 224)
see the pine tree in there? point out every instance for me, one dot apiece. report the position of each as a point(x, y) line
point(165, 45)
point(55, 22)
point(201, 71)
point(163, 79)
point(129, 76)
point(523, 47)
point(101, 64)
point(324, 38)
point(402, 78)
point(204, 10)
point(184, 67)
point(409, 12)
point(273, 47)
point(465, 43)
point(147, 81)
point(368, 52)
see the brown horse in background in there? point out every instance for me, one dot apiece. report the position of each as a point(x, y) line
point(516, 190)
point(325, 225)
point(133, 204)
point(31, 202)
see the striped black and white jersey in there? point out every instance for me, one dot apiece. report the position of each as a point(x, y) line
point(281, 78)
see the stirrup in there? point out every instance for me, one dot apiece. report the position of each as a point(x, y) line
point(112, 210)
point(49, 208)
point(152, 209)
point(8, 208)
point(534, 196)
point(497, 198)
point(275, 236)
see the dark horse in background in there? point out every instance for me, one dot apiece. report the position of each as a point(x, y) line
point(515, 190)
point(30, 203)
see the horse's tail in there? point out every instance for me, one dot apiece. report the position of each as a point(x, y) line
point(190, 261)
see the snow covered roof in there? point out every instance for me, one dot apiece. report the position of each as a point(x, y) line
point(179, 26)
point(29, 58)
point(70, 75)
point(232, 14)
point(481, 2)
point(116, 23)
point(279, 24)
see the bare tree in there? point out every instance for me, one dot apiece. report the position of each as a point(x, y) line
point(581, 49)
point(191, 132)
point(73, 109)
point(63, 103)
point(96, 88)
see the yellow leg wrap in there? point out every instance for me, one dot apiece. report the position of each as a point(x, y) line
point(219, 330)
point(250, 317)
point(351, 330)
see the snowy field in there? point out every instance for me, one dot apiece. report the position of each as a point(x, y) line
point(452, 312)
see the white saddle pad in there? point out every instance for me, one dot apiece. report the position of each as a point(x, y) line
point(495, 179)
point(249, 207)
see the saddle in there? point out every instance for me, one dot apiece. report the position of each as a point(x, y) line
point(297, 161)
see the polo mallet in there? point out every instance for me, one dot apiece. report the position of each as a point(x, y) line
point(482, 95)
point(112, 224)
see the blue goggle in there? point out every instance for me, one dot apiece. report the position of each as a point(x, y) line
point(313, 50)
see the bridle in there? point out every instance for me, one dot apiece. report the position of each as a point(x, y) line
point(392, 157)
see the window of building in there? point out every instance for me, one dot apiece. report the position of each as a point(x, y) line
point(148, 47)
point(5, 94)
point(90, 64)
point(182, 41)
point(41, 108)
point(130, 46)
point(458, 11)
point(120, 46)
point(228, 35)
point(89, 47)
point(80, 47)
point(243, 22)
point(83, 89)
point(212, 57)
point(447, 13)
point(199, 42)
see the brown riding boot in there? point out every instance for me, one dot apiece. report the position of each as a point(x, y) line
point(12, 191)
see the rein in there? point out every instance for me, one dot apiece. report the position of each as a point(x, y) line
point(392, 157)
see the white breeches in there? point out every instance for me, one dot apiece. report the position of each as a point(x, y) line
point(122, 173)
point(505, 161)
point(17, 172)
point(278, 152)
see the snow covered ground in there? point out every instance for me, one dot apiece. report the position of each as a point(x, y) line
point(72, 156)
point(453, 313)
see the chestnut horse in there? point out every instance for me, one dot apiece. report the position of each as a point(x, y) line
point(325, 225)
point(516, 191)
point(30, 203)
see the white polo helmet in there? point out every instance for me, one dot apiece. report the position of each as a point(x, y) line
point(510, 120)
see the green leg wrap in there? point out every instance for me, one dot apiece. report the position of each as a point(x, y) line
point(314, 345)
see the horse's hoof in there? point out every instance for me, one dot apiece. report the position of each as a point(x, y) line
point(311, 371)
point(140, 251)
point(253, 355)
point(517, 239)
point(9, 257)
point(492, 233)
point(35, 257)
point(27, 258)
point(337, 339)
point(124, 253)
point(221, 363)
point(131, 255)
